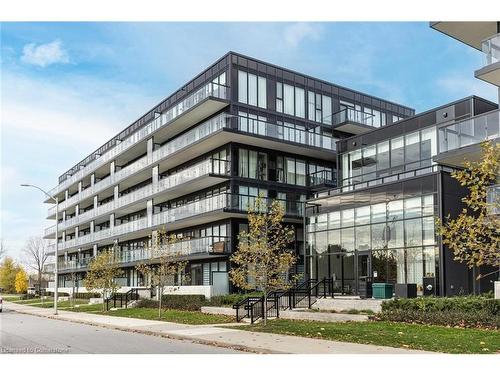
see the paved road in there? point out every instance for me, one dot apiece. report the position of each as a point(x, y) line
point(31, 334)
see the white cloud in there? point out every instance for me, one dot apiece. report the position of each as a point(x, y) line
point(294, 34)
point(44, 54)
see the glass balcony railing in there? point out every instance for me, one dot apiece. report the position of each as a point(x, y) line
point(352, 115)
point(204, 168)
point(471, 131)
point(285, 133)
point(223, 201)
point(187, 139)
point(493, 200)
point(324, 177)
point(209, 90)
point(50, 230)
point(491, 49)
point(183, 247)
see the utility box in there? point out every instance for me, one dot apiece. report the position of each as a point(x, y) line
point(382, 290)
point(406, 290)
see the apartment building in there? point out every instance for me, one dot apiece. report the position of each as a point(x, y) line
point(193, 163)
point(378, 225)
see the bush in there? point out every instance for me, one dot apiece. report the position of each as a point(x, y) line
point(469, 311)
point(230, 299)
point(189, 302)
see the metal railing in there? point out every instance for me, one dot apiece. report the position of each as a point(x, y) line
point(491, 49)
point(209, 90)
point(303, 295)
point(383, 180)
point(474, 130)
point(285, 133)
point(322, 177)
point(204, 168)
point(352, 115)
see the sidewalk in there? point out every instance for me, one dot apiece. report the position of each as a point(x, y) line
point(215, 335)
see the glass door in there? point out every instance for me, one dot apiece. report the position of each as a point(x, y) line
point(364, 272)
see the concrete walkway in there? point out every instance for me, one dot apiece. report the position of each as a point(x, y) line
point(214, 334)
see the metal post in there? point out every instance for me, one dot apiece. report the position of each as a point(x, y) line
point(56, 268)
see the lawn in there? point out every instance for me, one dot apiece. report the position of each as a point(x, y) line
point(175, 316)
point(398, 335)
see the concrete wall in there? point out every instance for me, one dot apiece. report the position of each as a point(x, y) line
point(205, 290)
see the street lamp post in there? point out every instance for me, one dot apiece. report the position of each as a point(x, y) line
point(56, 281)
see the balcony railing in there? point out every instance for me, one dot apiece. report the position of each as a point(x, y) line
point(491, 49)
point(209, 90)
point(471, 131)
point(285, 133)
point(204, 168)
point(324, 177)
point(383, 180)
point(222, 202)
point(187, 139)
point(493, 200)
point(352, 115)
point(74, 264)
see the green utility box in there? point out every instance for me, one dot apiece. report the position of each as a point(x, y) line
point(382, 290)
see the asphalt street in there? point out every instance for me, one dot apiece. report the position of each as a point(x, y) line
point(21, 333)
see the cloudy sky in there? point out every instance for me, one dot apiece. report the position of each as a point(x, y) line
point(66, 88)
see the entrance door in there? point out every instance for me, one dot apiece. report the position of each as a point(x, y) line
point(364, 270)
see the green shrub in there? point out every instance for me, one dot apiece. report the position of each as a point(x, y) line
point(468, 311)
point(189, 302)
point(230, 299)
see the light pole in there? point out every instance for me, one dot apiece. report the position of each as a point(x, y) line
point(56, 200)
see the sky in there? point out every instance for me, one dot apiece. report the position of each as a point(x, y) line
point(66, 88)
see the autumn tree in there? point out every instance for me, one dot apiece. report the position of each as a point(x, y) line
point(167, 265)
point(8, 271)
point(263, 259)
point(36, 255)
point(101, 274)
point(21, 281)
point(474, 235)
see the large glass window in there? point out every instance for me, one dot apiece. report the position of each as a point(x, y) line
point(288, 99)
point(300, 110)
point(397, 151)
point(252, 89)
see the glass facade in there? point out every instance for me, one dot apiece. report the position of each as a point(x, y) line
point(396, 238)
point(252, 89)
point(408, 152)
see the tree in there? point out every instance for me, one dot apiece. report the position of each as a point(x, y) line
point(262, 259)
point(36, 253)
point(21, 281)
point(474, 235)
point(8, 271)
point(101, 274)
point(168, 264)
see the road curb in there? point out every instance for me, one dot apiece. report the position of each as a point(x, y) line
point(242, 348)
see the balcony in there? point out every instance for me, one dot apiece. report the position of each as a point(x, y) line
point(491, 71)
point(352, 121)
point(322, 180)
point(209, 99)
point(74, 264)
point(461, 141)
point(493, 200)
point(176, 151)
point(470, 33)
point(214, 208)
point(202, 175)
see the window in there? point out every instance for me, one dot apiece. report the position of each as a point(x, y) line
point(252, 89)
point(279, 97)
point(383, 161)
point(327, 110)
point(412, 150)
point(300, 110)
point(397, 151)
point(319, 108)
point(288, 99)
point(252, 164)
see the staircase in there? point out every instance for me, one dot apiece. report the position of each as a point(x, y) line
point(122, 300)
point(303, 295)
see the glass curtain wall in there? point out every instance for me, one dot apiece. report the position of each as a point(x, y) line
point(398, 236)
point(411, 151)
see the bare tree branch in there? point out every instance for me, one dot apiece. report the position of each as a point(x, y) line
point(36, 253)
